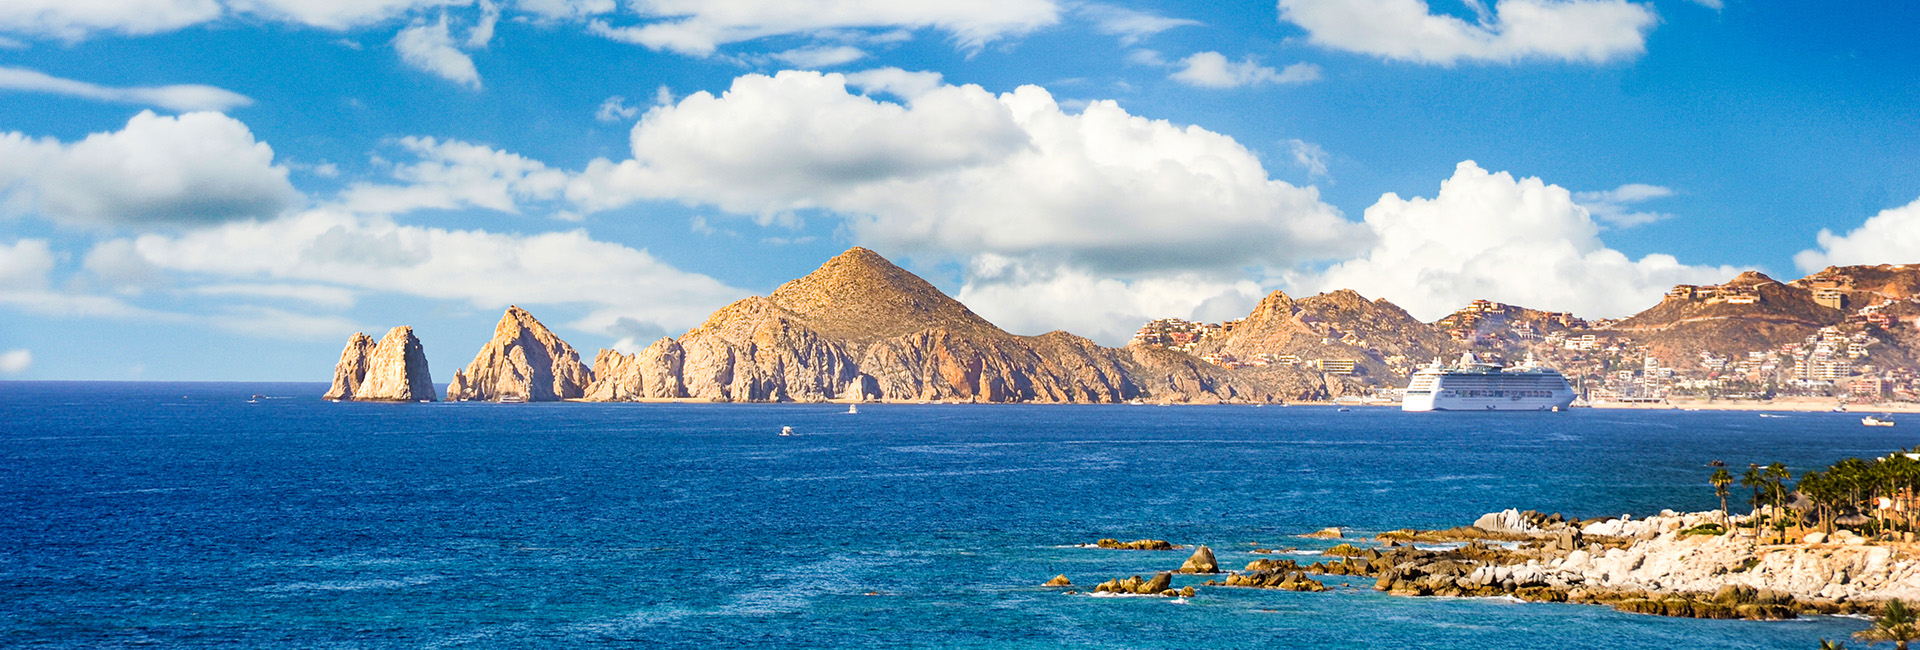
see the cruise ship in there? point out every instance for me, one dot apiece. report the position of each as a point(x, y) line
point(1472, 385)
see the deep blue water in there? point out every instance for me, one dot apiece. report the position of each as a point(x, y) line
point(179, 515)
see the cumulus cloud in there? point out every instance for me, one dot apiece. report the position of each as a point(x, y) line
point(698, 27)
point(1518, 241)
point(428, 47)
point(958, 171)
point(1130, 25)
point(197, 168)
point(1581, 31)
point(14, 362)
point(184, 97)
point(1893, 236)
point(335, 248)
point(1032, 297)
point(565, 9)
point(1213, 70)
point(24, 264)
point(452, 174)
point(337, 14)
point(894, 81)
point(1615, 207)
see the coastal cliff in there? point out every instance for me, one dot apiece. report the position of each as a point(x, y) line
point(523, 361)
point(861, 328)
point(393, 370)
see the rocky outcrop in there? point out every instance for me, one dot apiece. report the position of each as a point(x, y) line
point(351, 371)
point(1201, 561)
point(1285, 575)
point(1161, 584)
point(523, 361)
point(653, 373)
point(393, 370)
point(1136, 545)
point(860, 328)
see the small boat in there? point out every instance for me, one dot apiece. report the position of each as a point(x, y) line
point(1884, 421)
point(786, 431)
point(512, 399)
point(1343, 409)
point(853, 409)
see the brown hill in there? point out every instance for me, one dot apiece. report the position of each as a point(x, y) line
point(862, 328)
point(1750, 312)
point(1384, 341)
point(1863, 286)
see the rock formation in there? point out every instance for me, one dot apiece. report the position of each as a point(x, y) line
point(1202, 561)
point(351, 371)
point(861, 328)
point(523, 361)
point(1384, 341)
point(394, 370)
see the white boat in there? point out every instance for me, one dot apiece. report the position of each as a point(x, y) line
point(853, 409)
point(1877, 421)
point(786, 431)
point(1472, 385)
point(512, 399)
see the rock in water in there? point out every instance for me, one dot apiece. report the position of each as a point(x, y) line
point(351, 371)
point(524, 361)
point(397, 370)
point(1059, 581)
point(1201, 562)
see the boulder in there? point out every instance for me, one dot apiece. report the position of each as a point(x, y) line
point(1158, 584)
point(1815, 537)
point(1202, 561)
point(1059, 581)
point(1332, 532)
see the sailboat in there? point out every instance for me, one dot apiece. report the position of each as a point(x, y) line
point(853, 409)
point(786, 431)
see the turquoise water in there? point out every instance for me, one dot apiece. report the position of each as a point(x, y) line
point(179, 515)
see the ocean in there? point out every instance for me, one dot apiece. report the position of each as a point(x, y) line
point(183, 515)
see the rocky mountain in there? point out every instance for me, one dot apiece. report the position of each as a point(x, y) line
point(1383, 341)
point(1862, 286)
point(523, 361)
point(1750, 312)
point(393, 370)
point(861, 328)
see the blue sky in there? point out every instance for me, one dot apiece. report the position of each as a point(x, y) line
point(226, 189)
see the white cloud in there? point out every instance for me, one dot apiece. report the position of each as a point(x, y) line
point(615, 109)
point(1487, 235)
point(116, 265)
point(1711, 4)
point(483, 31)
point(1213, 70)
point(1891, 237)
point(896, 82)
point(428, 47)
point(1309, 156)
point(820, 56)
point(14, 362)
point(957, 171)
point(337, 14)
point(1614, 207)
point(75, 19)
point(1030, 297)
point(452, 174)
point(24, 265)
point(1128, 24)
point(319, 295)
point(487, 270)
point(196, 168)
point(1584, 31)
point(184, 98)
point(698, 27)
point(565, 9)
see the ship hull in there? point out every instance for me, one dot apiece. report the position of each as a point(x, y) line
point(1435, 390)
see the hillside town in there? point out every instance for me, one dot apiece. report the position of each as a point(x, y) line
point(1850, 334)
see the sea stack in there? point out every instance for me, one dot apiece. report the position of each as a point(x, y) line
point(393, 370)
point(653, 373)
point(524, 362)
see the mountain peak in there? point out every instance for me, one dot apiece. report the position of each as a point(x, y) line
point(1751, 278)
point(861, 295)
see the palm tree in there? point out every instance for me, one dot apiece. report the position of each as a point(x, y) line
point(1722, 480)
point(1895, 625)
point(1777, 477)
point(1754, 479)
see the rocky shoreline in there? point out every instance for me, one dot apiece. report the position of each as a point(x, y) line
point(1671, 564)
